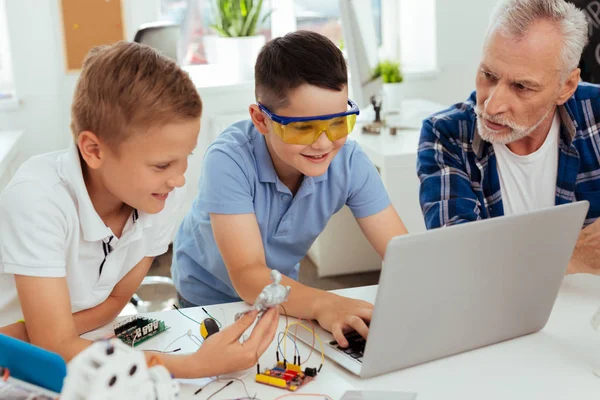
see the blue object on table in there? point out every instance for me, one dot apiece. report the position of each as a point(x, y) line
point(32, 364)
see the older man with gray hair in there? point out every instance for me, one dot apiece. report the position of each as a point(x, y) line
point(528, 137)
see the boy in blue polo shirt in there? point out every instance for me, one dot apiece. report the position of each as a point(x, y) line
point(270, 185)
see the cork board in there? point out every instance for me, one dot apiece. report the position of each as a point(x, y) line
point(87, 24)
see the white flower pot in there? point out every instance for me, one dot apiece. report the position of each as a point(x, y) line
point(238, 55)
point(210, 48)
point(393, 94)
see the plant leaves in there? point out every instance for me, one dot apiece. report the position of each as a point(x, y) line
point(249, 28)
point(389, 71)
point(237, 18)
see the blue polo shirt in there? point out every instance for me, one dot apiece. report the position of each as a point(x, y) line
point(238, 177)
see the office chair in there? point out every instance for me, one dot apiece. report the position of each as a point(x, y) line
point(165, 297)
point(161, 36)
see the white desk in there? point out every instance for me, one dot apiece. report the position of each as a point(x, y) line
point(555, 363)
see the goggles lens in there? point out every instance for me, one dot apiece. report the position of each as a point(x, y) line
point(308, 132)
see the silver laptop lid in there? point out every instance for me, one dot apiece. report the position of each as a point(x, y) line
point(454, 289)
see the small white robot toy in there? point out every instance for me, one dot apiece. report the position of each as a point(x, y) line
point(271, 296)
point(111, 370)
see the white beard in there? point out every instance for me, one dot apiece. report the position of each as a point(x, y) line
point(517, 132)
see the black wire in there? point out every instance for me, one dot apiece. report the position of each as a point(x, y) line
point(287, 323)
point(223, 388)
point(245, 388)
point(166, 352)
point(232, 379)
point(245, 398)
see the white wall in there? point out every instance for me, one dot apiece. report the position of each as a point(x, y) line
point(36, 49)
point(461, 26)
point(41, 81)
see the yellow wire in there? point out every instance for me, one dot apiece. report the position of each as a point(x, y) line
point(285, 343)
point(311, 331)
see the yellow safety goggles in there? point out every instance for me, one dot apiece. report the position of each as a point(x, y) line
point(306, 130)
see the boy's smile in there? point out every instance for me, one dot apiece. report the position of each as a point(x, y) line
point(161, 196)
point(317, 158)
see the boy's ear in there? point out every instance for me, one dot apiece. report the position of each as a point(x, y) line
point(259, 119)
point(90, 149)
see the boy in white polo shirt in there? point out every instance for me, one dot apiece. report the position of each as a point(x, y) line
point(79, 228)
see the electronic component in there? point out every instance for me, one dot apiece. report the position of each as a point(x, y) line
point(135, 330)
point(208, 327)
point(286, 376)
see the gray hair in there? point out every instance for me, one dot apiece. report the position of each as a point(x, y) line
point(515, 17)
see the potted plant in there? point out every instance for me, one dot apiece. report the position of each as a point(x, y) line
point(392, 78)
point(238, 44)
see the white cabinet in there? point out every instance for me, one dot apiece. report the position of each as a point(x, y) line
point(10, 155)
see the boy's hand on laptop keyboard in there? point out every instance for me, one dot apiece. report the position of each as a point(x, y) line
point(339, 314)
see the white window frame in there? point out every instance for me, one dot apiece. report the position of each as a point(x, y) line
point(6, 74)
point(415, 36)
point(416, 64)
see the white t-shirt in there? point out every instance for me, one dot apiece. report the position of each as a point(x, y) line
point(528, 183)
point(49, 228)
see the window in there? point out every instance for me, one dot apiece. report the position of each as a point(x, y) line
point(195, 17)
point(6, 81)
point(405, 29)
point(324, 17)
point(417, 36)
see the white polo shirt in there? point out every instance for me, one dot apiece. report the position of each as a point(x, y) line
point(49, 228)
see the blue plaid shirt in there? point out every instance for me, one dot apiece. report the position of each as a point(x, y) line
point(459, 174)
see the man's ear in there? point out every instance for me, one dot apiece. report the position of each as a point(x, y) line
point(569, 87)
point(90, 149)
point(259, 119)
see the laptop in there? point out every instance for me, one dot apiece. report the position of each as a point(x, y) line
point(455, 289)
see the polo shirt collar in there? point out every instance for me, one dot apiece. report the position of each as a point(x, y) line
point(264, 163)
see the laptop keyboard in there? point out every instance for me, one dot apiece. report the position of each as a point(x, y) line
point(356, 347)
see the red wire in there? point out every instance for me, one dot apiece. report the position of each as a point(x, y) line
point(296, 333)
point(312, 347)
